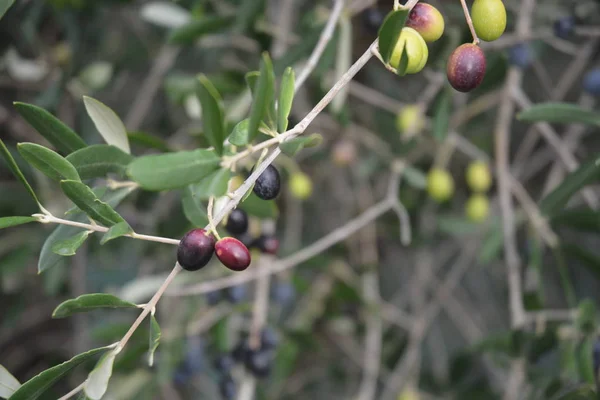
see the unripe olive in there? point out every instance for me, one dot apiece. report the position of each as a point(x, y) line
point(477, 208)
point(466, 67)
point(479, 177)
point(416, 50)
point(427, 21)
point(410, 120)
point(489, 19)
point(440, 184)
point(300, 186)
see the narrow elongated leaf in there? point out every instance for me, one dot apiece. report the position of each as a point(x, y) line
point(247, 13)
point(293, 146)
point(212, 113)
point(155, 335)
point(390, 32)
point(7, 222)
point(86, 200)
point(239, 134)
point(68, 247)
point(52, 164)
point(441, 117)
point(556, 200)
point(286, 98)
point(214, 184)
point(48, 258)
point(4, 6)
point(115, 231)
point(51, 128)
point(14, 168)
point(561, 113)
point(193, 209)
point(89, 302)
point(173, 170)
point(97, 381)
point(100, 160)
point(585, 220)
point(8, 383)
point(192, 31)
point(36, 386)
point(107, 123)
point(147, 140)
point(263, 96)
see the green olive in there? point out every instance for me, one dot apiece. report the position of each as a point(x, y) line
point(489, 19)
point(416, 49)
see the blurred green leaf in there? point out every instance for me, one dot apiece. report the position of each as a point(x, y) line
point(155, 335)
point(108, 123)
point(556, 200)
point(585, 219)
point(147, 140)
point(194, 210)
point(58, 134)
point(99, 160)
point(69, 246)
point(390, 32)
point(584, 359)
point(403, 64)
point(84, 198)
point(4, 6)
point(587, 320)
point(8, 383)
point(441, 116)
point(239, 134)
point(247, 13)
point(212, 113)
point(36, 386)
point(291, 147)
point(116, 231)
point(286, 98)
point(580, 393)
point(173, 170)
point(52, 164)
point(192, 31)
point(257, 207)
point(454, 225)
point(97, 381)
point(14, 168)
point(7, 222)
point(561, 113)
point(89, 302)
point(214, 184)
point(588, 259)
point(263, 96)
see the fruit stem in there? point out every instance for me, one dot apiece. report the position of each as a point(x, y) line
point(209, 211)
point(469, 22)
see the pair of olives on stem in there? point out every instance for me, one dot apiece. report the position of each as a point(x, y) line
point(467, 64)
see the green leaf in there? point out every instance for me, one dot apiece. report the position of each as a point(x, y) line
point(8, 383)
point(89, 302)
point(37, 385)
point(239, 134)
point(69, 246)
point(561, 113)
point(58, 134)
point(48, 258)
point(212, 113)
point(247, 13)
point(214, 184)
point(147, 140)
point(556, 200)
point(286, 98)
point(86, 200)
point(263, 96)
point(403, 64)
point(192, 31)
point(293, 146)
point(52, 164)
point(97, 382)
point(583, 219)
point(390, 32)
point(257, 207)
point(441, 116)
point(107, 122)
point(456, 226)
point(586, 317)
point(584, 359)
point(588, 259)
point(193, 209)
point(173, 170)
point(4, 6)
point(7, 222)
point(155, 335)
point(14, 168)
point(580, 393)
point(100, 160)
point(115, 231)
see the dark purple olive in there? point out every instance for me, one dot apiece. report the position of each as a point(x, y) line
point(195, 249)
point(267, 244)
point(258, 362)
point(233, 254)
point(268, 184)
point(466, 67)
point(237, 222)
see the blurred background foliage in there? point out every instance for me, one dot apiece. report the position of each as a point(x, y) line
point(141, 59)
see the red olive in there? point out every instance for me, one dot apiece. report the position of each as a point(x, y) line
point(466, 67)
point(233, 254)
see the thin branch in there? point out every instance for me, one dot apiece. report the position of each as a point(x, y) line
point(469, 21)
